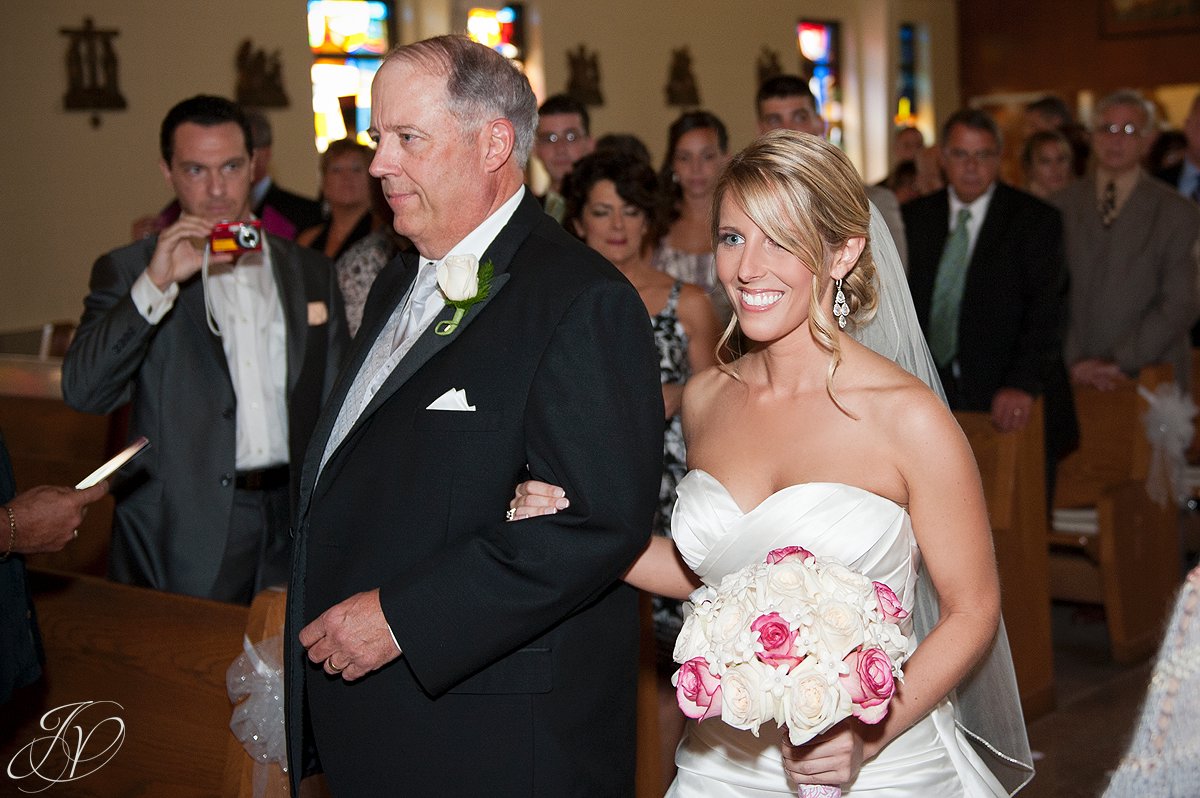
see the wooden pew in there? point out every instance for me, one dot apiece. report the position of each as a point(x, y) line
point(649, 776)
point(265, 620)
point(1131, 562)
point(1012, 468)
point(161, 657)
point(51, 444)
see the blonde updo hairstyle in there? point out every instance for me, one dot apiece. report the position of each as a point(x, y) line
point(804, 194)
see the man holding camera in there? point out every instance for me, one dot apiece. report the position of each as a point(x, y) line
point(226, 341)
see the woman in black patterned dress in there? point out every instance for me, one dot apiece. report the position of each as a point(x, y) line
point(614, 204)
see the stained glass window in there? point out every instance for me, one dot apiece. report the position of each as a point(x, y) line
point(348, 39)
point(820, 47)
point(503, 30)
point(907, 104)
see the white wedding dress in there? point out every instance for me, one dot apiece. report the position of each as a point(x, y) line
point(866, 532)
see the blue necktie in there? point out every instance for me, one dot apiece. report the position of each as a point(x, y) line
point(947, 292)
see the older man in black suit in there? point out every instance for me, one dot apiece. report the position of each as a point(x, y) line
point(989, 286)
point(449, 652)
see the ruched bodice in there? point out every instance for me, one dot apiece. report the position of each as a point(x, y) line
point(860, 529)
point(872, 535)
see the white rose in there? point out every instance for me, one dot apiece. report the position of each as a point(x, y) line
point(813, 704)
point(691, 642)
point(458, 277)
point(838, 627)
point(838, 581)
point(742, 697)
point(729, 622)
point(791, 579)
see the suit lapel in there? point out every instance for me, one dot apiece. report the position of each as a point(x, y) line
point(289, 283)
point(989, 231)
point(501, 253)
point(191, 302)
point(428, 345)
point(358, 354)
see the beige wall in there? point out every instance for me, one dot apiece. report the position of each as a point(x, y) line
point(70, 190)
point(634, 40)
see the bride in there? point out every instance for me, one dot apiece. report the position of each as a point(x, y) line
point(811, 438)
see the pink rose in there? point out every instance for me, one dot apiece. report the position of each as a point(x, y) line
point(779, 555)
point(778, 641)
point(889, 605)
point(697, 690)
point(869, 684)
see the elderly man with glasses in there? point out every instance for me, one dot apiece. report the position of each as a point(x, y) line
point(989, 284)
point(1132, 255)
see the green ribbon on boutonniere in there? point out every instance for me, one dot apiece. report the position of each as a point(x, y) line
point(463, 281)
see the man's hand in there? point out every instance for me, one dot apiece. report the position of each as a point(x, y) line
point(1010, 409)
point(180, 252)
point(352, 638)
point(1100, 374)
point(47, 517)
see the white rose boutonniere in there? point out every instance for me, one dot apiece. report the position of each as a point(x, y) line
point(463, 281)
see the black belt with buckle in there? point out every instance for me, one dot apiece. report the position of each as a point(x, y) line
point(263, 478)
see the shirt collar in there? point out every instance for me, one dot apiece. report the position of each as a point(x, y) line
point(258, 192)
point(478, 240)
point(978, 206)
point(1123, 182)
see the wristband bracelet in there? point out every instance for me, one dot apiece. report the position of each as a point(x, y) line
point(12, 533)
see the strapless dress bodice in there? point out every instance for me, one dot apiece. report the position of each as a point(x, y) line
point(863, 530)
point(866, 532)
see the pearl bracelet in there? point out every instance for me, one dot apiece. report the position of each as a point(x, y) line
point(12, 533)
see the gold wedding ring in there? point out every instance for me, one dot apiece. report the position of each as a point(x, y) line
point(334, 668)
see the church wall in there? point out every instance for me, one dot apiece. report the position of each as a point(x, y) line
point(72, 190)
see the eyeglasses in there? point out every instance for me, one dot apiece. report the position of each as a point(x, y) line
point(567, 137)
point(978, 155)
point(1128, 129)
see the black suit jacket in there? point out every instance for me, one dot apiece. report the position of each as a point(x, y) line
point(1013, 315)
point(1171, 175)
point(176, 499)
point(519, 642)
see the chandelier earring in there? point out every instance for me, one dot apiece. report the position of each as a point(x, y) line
point(841, 309)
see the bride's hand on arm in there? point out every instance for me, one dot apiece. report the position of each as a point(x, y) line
point(657, 569)
point(535, 498)
point(833, 758)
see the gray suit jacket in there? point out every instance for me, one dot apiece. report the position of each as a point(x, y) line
point(1134, 293)
point(174, 501)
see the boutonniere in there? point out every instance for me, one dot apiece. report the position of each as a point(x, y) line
point(463, 281)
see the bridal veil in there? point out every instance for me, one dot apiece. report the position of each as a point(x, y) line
point(988, 706)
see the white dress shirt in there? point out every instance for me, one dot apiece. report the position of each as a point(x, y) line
point(248, 312)
point(386, 352)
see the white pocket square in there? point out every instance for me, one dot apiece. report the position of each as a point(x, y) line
point(453, 399)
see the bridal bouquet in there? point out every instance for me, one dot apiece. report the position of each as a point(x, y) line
point(799, 640)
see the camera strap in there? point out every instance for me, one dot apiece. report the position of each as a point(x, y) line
point(209, 316)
